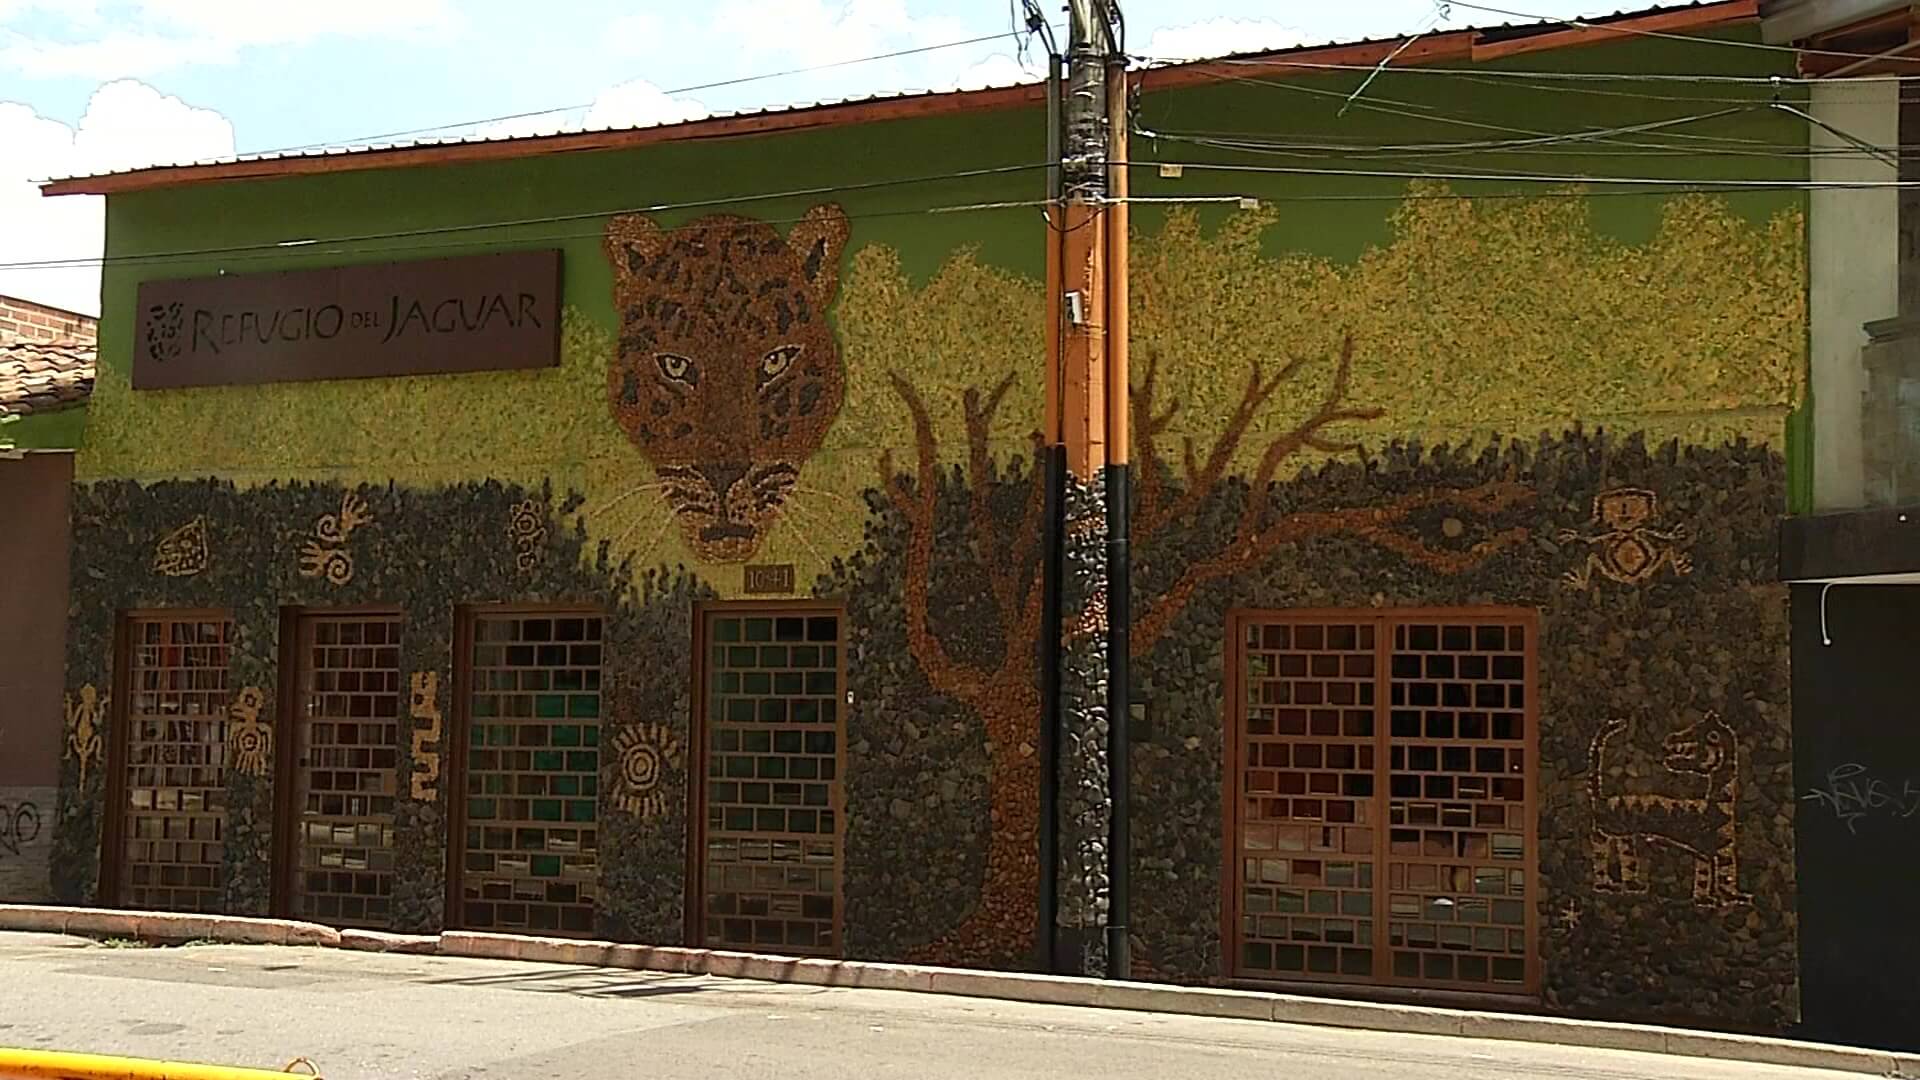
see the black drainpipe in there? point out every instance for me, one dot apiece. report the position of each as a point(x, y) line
point(1054, 476)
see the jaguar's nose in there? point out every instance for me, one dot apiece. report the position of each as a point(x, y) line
point(721, 478)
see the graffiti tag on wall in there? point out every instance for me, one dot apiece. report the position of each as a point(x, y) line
point(1852, 794)
point(19, 826)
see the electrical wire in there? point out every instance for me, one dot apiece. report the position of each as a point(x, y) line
point(1429, 114)
point(303, 243)
point(1539, 178)
point(741, 80)
point(1543, 76)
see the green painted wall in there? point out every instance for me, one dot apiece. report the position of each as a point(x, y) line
point(61, 430)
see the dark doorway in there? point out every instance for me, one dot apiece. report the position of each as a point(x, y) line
point(1856, 731)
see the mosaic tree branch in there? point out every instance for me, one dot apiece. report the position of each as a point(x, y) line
point(1006, 697)
point(1255, 537)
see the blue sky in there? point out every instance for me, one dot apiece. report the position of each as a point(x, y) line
point(87, 85)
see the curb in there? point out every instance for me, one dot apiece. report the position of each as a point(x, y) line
point(1003, 986)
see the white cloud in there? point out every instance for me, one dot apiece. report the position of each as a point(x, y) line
point(638, 103)
point(996, 70)
point(1219, 37)
point(127, 124)
point(143, 37)
point(822, 32)
point(252, 22)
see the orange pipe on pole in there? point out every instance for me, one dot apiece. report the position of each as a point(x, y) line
point(1119, 388)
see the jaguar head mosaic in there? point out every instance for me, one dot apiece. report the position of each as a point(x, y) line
point(727, 375)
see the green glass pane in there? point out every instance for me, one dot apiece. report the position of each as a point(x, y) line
point(757, 683)
point(480, 809)
point(583, 706)
point(546, 810)
point(823, 628)
point(742, 655)
point(759, 629)
point(726, 629)
point(564, 785)
point(537, 680)
point(822, 682)
point(740, 710)
point(773, 656)
point(546, 865)
point(773, 711)
point(830, 656)
point(727, 682)
point(790, 629)
point(582, 761)
point(756, 742)
point(790, 683)
point(580, 810)
point(549, 760)
point(485, 707)
point(565, 735)
point(494, 784)
point(590, 784)
point(805, 656)
point(806, 712)
point(719, 656)
point(592, 734)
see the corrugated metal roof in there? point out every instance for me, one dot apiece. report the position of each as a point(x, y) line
point(563, 137)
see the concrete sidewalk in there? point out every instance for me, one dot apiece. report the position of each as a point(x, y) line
point(161, 928)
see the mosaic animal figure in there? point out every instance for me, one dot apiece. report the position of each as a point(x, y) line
point(1701, 823)
point(1628, 548)
point(727, 375)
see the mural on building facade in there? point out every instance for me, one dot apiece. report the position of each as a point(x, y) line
point(1697, 812)
point(727, 374)
point(1628, 547)
point(1345, 445)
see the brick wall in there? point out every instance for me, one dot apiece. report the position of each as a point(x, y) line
point(26, 320)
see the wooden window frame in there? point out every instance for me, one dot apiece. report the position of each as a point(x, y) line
point(1385, 619)
point(695, 893)
point(286, 748)
point(457, 737)
point(113, 829)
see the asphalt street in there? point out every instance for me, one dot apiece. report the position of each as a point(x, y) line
point(360, 1016)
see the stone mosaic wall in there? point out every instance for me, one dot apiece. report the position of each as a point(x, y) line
point(1634, 648)
point(916, 506)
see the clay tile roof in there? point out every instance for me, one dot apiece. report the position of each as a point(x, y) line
point(41, 376)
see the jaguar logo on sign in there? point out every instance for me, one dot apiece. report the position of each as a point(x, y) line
point(430, 316)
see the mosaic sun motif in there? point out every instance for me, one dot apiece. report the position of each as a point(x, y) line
point(726, 375)
point(642, 756)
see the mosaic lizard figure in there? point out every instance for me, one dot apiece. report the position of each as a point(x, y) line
point(1702, 825)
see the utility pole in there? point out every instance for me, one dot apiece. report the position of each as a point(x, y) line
point(1087, 412)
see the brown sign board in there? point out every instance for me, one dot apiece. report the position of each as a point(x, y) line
point(494, 312)
point(775, 579)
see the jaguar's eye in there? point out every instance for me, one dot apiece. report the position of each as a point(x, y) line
point(675, 367)
point(775, 363)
